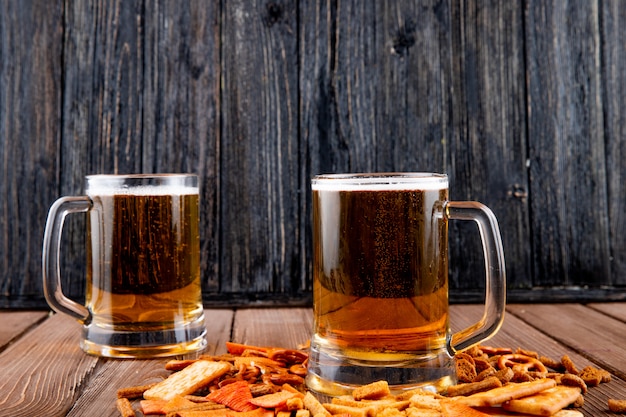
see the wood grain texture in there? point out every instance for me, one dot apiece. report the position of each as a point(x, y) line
point(615, 310)
point(265, 327)
point(487, 152)
point(568, 172)
point(15, 323)
point(520, 103)
point(30, 97)
point(40, 371)
point(260, 199)
point(613, 76)
point(141, 96)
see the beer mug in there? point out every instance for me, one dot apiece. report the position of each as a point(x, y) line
point(143, 295)
point(380, 281)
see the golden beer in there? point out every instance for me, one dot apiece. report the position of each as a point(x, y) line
point(143, 296)
point(380, 281)
point(384, 287)
point(380, 288)
point(143, 253)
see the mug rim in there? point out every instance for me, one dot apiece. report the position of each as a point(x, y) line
point(380, 181)
point(139, 176)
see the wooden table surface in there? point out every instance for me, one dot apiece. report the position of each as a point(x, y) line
point(44, 372)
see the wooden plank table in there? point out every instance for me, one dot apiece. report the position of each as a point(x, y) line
point(44, 372)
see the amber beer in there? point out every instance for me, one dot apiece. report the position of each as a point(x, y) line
point(143, 254)
point(143, 265)
point(143, 297)
point(380, 282)
point(381, 273)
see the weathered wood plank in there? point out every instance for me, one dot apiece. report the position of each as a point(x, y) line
point(616, 310)
point(520, 103)
point(41, 372)
point(487, 151)
point(15, 323)
point(261, 204)
point(568, 174)
point(30, 92)
point(141, 96)
point(613, 55)
point(290, 327)
point(365, 106)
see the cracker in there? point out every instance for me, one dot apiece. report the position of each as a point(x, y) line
point(406, 395)
point(593, 376)
point(507, 392)
point(349, 401)
point(451, 408)
point(551, 363)
point(187, 381)
point(422, 412)
point(545, 403)
point(465, 367)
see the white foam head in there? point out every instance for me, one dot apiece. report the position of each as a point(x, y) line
point(143, 185)
point(380, 182)
point(142, 190)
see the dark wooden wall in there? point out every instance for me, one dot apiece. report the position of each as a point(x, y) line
point(521, 103)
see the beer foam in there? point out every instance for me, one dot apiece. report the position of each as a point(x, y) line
point(142, 190)
point(379, 182)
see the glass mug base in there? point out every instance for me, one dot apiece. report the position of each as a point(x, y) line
point(332, 373)
point(144, 343)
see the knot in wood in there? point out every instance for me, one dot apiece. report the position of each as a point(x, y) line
point(273, 13)
point(404, 38)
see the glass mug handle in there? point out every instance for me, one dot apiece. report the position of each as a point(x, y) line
point(495, 287)
point(50, 259)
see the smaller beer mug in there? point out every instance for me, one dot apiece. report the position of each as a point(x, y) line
point(143, 297)
point(380, 282)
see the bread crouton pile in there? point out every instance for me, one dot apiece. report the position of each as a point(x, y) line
point(253, 381)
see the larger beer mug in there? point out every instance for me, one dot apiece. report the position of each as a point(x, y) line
point(143, 296)
point(380, 281)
